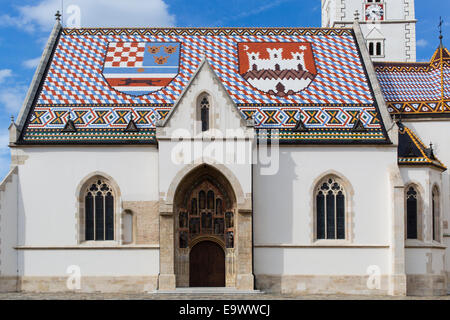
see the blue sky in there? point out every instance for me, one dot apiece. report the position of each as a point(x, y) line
point(25, 26)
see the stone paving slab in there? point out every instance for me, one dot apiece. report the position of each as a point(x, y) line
point(152, 296)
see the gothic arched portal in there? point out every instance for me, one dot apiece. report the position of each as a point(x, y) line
point(205, 207)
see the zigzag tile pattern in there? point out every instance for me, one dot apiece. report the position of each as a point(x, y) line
point(75, 88)
point(417, 88)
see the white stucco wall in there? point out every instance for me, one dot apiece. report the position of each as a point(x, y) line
point(424, 261)
point(320, 261)
point(48, 206)
point(105, 262)
point(8, 224)
point(283, 211)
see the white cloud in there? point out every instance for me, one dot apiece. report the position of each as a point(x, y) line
point(98, 13)
point(31, 63)
point(422, 43)
point(4, 154)
point(9, 21)
point(4, 166)
point(262, 8)
point(5, 73)
point(4, 141)
point(11, 98)
point(12, 93)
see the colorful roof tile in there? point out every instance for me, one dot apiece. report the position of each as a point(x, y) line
point(412, 151)
point(103, 78)
point(417, 89)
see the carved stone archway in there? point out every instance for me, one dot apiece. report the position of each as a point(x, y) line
point(182, 227)
point(204, 209)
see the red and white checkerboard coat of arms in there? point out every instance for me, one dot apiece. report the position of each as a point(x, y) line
point(138, 68)
point(277, 68)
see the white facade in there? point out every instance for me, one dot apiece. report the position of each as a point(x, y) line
point(284, 226)
point(284, 246)
point(396, 30)
point(435, 132)
point(272, 198)
point(48, 236)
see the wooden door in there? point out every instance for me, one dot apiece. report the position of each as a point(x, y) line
point(207, 265)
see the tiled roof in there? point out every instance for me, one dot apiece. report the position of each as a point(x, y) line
point(412, 151)
point(85, 82)
point(417, 89)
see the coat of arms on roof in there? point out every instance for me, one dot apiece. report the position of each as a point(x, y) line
point(139, 68)
point(277, 68)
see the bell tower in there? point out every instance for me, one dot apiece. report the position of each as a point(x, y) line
point(389, 26)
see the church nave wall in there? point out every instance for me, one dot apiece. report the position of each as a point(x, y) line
point(287, 248)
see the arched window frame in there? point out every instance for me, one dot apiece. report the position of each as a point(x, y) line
point(348, 209)
point(81, 212)
point(435, 207)
point(204, 111)
point(419, 222)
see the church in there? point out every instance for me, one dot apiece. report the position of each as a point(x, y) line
point(287, 160)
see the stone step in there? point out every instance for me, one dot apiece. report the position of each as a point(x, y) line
point(209, 290)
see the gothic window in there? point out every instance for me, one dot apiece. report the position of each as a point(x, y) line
point(204, 113)
point(99, 211)
point(435, 214)
point(330, 210)
point(411, 213)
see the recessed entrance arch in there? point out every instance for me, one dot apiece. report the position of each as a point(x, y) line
point(207, 265)
point(174, 260)
point(204, 237)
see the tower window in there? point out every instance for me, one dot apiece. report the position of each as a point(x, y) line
point(376, 48)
